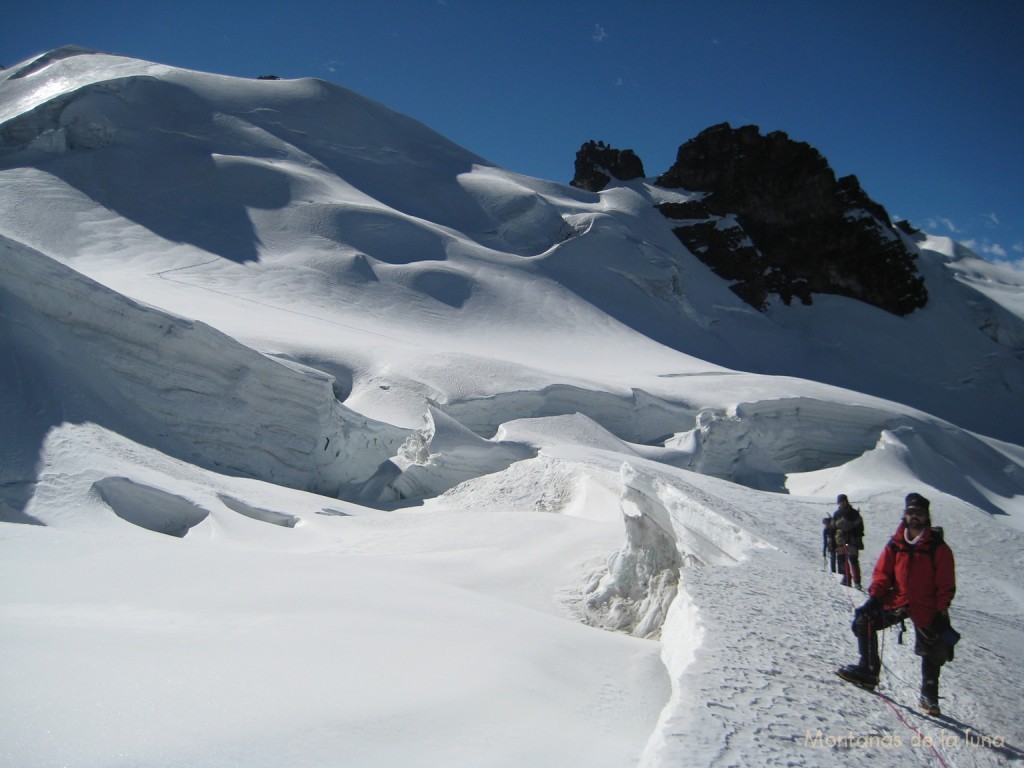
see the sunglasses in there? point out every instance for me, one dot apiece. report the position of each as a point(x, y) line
point(916, 512)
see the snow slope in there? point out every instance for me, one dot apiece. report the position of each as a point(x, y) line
point(327, 442)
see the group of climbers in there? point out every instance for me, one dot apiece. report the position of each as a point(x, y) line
point(913, 579)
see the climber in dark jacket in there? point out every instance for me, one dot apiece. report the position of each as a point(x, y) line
point(914, 578)
point(849, 533)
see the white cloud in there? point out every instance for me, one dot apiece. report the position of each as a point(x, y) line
point(941, 222)
point(973, 236)
point(599, 33)
point(994, 249)
point(997, 251)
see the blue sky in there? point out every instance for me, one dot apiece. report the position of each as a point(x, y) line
point(920, 99)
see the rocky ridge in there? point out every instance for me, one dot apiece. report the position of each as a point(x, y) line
point(768, 213)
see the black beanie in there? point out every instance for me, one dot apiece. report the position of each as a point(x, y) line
point(917, 500)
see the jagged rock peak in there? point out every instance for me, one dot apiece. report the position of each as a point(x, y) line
point(597, 163)
point(793, 229)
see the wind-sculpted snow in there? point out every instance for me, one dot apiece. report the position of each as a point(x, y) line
point(759, 443)
point(636, 417)
point(174, 384)
point(266, 515)
point(28, 86)
point(756, 443)
point(53, 128)
point(523, 221)
point(150, 508)
point(947, 459)
point(439, 456)
point(308, 172)
point(43, 61)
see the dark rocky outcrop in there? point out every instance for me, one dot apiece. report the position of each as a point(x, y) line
point(774, 219)
point(907, 228)
point(597, 164)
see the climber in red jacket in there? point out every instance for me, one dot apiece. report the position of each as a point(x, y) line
point(914, 578)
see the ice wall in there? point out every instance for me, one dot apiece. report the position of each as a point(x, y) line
point(77, 351)
point(668, 528)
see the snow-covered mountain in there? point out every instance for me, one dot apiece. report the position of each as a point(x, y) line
point(454, 466)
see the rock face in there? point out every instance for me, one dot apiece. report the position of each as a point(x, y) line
point(774, 219)
point(597, 163)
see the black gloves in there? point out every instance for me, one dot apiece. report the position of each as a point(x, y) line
point(870, 613)
point(872, 608)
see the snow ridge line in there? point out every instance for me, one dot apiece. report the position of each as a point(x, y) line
point(681, 635)
point(668, 527)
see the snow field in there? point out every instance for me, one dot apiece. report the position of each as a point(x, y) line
point(568, 489)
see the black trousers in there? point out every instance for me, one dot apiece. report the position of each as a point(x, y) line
point(832, 561)
point(867, 629)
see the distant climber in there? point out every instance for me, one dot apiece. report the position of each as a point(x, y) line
point(914, 578)
point(849, 534)
point(828, 544)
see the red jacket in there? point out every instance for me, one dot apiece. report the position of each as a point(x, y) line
point(919, 576)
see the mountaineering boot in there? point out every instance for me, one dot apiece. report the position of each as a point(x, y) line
point(859, 675)
point(929, 704)
point(929, 700)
